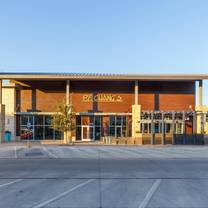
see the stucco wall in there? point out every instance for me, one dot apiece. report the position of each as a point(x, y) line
point(8, 99)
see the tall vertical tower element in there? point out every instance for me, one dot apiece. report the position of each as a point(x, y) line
point(67, 92)
point(136, 113)
point(2, 115)
point(200, 93)
point(8, 99)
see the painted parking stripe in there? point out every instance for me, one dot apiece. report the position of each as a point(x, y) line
point(11, 182)
point(150, 193)
point(49, 152)
point(62, 194)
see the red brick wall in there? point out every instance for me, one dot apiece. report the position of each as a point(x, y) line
point(152, 95)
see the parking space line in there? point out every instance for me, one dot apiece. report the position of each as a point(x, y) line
point(12, 182)
point(62, 194)
point(150, 193)
point(50, 153)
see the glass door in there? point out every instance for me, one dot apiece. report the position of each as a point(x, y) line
point(88, 133)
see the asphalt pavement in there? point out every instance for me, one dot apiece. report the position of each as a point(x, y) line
point(103, 176)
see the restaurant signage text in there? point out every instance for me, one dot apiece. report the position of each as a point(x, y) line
point(110, 98)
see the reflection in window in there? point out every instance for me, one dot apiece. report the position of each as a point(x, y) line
point(40, 129)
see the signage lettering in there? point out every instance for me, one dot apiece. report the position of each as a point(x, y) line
point(110, 98)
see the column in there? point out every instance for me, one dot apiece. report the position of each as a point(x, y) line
point(200, 93)
point(2, 115)
point(184, 122)
point(173, 127)
point(184, 127)
point(136, 114)
point(163, 129)
point(194, 122)
point(67, 136)
point(136, 89)
point(152, 128)
point(67, 92)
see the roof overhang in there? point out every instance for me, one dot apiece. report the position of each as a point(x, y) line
point(94, 76)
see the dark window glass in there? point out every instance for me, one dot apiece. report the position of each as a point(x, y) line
point(145, 128)
point(150, 128)
point(118, 131)
point(97, 133)
point(78, 133)
point(168, 128)
point(112, 131)
point(124, 133)
point(38, 132)
point(58, 135)
point(156, 127)
point(31, 120)
point(38, 120)
point(97, 120)
point(48, 120)
point(112, 121)
point(78, 120)
point(48, 132)
point(91, 118)
point(91, 132)
point(118, 120)
point(124, 121)
point(24, 120)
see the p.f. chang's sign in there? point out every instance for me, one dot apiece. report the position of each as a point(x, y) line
point(108, 98)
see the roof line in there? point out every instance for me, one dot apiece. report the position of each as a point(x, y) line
point(100, 76)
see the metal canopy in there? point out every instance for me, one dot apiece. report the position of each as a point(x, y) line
point(100, 76)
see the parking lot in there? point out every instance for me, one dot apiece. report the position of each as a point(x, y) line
point(103, 176)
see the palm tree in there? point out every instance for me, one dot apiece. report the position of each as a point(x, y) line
point(64, 120)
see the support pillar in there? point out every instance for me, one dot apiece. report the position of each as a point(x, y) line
point(2, 116)
point(184, 126)
point(136, 118)
point(194, 122)
point(68, 135)
point(173, 127)
point(136, 89)
point(200, 93)
point(136, 113)
point(152, 128)
point(67, 92)
point(163, 129)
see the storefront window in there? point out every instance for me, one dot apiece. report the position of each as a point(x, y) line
point(97, 120)
point(38, 127)
point(38, 120)
point(118, 126)
point(78, 120)
point(78, 133)
point(38, 132)
point(58, 135)
point(49, 132)
point(48, 120)
point(112, 121)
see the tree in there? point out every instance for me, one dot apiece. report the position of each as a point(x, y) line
point(64, 120)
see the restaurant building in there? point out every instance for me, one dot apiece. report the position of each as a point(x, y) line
point(137, 107)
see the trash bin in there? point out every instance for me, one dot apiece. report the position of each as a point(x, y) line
point(7, 136)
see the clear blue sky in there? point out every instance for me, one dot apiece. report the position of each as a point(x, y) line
point(116, 36)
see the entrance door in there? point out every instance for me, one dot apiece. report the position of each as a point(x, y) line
point(88, 133)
